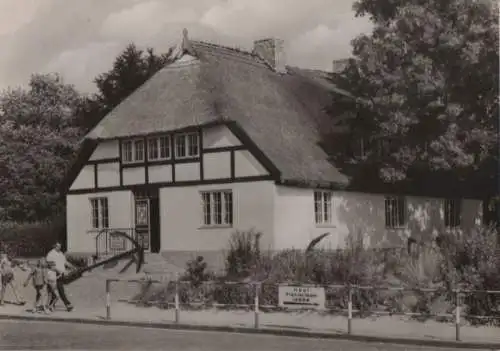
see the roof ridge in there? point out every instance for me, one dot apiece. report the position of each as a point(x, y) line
point(234, 49)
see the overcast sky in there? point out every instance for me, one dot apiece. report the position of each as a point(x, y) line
point(80, 38)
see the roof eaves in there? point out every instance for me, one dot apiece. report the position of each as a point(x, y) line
point(219, 121)
point(315, 184)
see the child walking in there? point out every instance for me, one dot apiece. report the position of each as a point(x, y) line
point(51, 279)
point(6, 274)
point(7, 278)
point(38, 278)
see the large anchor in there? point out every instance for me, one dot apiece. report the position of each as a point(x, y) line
point(136, 256)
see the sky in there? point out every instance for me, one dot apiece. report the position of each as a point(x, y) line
point(80, 38)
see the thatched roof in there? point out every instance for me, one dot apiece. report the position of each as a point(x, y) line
point(282, 113)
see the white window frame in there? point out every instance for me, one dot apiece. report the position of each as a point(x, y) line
point(323, 204)
point(99, 212)
point(452, 213)
point(187, 145)
point(395, 212)
point(127, 150)
point(210, 210)
point(157, 142)
point(133, 150)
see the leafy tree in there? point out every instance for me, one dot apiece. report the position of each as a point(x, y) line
point(38, 139)
point(426, 82)
point(131, 69)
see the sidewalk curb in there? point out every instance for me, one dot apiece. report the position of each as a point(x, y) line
point(263, 331)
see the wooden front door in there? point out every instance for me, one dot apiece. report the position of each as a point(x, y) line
point(147, 219)
point(142, 222)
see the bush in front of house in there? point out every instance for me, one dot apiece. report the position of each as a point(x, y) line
point(472, 261)
point(30, 240)
point(246, 264)
point(243, 254)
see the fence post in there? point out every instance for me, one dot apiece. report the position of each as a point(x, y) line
point(457, 314)
point(108, 299)
point(177, 304)
point(349, 310)
point(256, 310)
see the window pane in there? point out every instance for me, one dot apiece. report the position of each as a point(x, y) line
point(193, 144)
point(127, 151)
point(104, 213)
point(452, 213)
point(180, 146)
point(327, 207)
point(95, 213)
point(228, 204)
point(394, 213)
point(207, 219)
point(153, 149)
point(401, 211)
point(165, 147)
point(139, 150)
point(388, 212)
point(217, 208)
point(317, 207)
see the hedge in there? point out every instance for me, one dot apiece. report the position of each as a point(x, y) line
point(30, 240)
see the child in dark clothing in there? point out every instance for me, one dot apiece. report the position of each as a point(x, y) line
point(38, 278)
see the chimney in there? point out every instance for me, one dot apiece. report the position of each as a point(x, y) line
point(339, 65)
point(272, 51)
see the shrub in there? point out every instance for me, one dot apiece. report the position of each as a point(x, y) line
point(472, 260)
point(243, 254)
point(354, 264)
point(196, 272)
point(421, 271)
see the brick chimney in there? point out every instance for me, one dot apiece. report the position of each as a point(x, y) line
point(272, 51)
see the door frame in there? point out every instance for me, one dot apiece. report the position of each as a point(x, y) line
point(149, 194)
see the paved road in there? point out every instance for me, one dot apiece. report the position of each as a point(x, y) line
point(55, 335)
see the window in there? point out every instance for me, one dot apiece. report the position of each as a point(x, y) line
point(133, 151)
point(217, 208)
point(99, 212)
point(187, 145)
point(159, 148)
point(139, 150)
point(323, 207)
point(153, 149)
point(127, 152)
point(452, 213)
point(395, 212)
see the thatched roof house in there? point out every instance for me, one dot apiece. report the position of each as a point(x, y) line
point(222, 139)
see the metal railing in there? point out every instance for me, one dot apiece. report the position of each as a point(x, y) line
point(107, 244)
point(260, 297)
